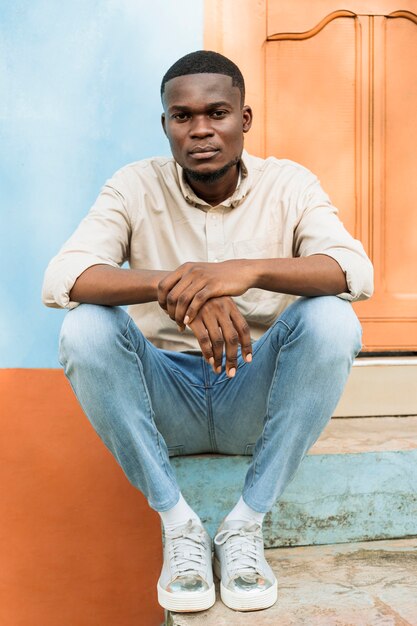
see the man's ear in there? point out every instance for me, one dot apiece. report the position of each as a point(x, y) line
point(247, 117)
point(163, 122)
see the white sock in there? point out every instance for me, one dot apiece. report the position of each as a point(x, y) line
point(243, 513)
point(178, 515)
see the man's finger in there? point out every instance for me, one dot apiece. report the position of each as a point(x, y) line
point(231, 342)
point(203, 338)
point(186, 292)
point(179, 293)
point(166, 285)
point(243, 330)
point(196, 303)
point(212, 325)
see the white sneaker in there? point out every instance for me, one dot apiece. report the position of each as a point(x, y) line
point(247, 581)
point(186, 580)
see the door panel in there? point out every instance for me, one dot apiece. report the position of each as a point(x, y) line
point(399, 266)
point(310, 109)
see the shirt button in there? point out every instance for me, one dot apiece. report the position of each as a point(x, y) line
point(214, 217)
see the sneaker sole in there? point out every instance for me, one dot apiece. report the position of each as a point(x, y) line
point(187, 601)
point(248, 601)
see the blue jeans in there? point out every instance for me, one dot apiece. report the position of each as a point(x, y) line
point(147, 404)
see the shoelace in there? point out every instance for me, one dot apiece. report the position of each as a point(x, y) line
point(186, 550)
point(241, 550)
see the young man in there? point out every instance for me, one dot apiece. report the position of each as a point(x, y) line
point(218, 353)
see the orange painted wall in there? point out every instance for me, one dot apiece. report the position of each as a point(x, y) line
point(79, 545)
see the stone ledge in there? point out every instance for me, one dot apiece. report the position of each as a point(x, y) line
point(334, 498)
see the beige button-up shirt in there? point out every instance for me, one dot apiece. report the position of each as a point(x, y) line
point(149, 216)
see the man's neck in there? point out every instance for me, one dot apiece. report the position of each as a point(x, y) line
point(216, 192)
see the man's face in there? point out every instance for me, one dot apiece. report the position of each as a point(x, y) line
point(204, 121)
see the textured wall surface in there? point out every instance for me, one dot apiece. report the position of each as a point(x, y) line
point(79, 86)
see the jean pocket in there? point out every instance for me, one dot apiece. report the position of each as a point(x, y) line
point(175, 451)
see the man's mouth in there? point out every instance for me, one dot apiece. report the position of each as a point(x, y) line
point(203, 152)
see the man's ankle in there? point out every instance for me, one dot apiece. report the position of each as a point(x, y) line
point(178, 515)
point(244, 513)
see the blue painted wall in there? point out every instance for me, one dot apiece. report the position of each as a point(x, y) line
point(79, 85)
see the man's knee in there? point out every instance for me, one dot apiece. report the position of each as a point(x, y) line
point(88, 329)
point(327, 324)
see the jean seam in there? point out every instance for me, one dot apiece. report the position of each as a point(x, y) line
point(209, 405)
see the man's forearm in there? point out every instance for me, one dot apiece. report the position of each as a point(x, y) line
point(309, 276)
point(316, 275)
point(113, 286)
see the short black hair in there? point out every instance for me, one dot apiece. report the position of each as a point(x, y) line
point(205, 62)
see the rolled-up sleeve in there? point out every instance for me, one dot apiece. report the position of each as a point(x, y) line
point(320, 231)
point(101, 238)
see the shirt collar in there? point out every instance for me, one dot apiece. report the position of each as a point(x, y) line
point(243, 187)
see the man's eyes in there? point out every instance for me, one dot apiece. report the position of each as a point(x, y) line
point(182, 117)
point(218, 114)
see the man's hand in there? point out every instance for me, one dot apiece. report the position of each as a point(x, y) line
point(184, 291)
point(219, 325)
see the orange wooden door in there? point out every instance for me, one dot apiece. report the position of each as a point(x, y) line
point(334, 86)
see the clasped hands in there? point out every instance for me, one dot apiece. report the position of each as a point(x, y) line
point(198, 295)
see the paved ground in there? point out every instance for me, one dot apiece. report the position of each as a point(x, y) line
point(358, 584)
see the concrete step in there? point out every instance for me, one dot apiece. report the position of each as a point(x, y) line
point(380, 386)
point(360, 584)
point(358, 483)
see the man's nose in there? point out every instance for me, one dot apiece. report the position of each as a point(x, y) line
point(201, 127)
